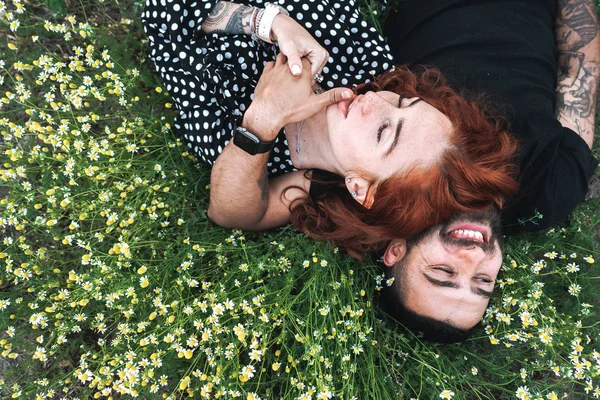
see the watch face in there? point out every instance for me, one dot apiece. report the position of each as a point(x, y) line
point(246, 141)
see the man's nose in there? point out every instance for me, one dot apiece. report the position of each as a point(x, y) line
point(471, 252)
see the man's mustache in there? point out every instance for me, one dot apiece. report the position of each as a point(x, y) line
point(487, 247)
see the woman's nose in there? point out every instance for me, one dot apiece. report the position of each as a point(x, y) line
point(371, 102)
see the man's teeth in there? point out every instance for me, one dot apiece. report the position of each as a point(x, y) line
point(350, 106)
point(467, 234)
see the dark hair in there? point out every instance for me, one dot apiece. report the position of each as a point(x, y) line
point(433, 330)
point(475, 171)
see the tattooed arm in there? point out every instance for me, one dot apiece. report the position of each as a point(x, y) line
point(294, 40)
point(230, 18)
point(241, 194)
point(578, 47)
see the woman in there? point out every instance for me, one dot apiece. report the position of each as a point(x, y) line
point(403, 152)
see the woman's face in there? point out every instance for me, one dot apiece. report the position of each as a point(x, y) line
point(382, 136)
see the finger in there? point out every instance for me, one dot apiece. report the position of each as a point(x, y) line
point(318, 59)
point(281, 59)
point(269, 66)
point(316, 88)
point(306, 66)
point(334, 96)
point(325, 60)
point(295, 63)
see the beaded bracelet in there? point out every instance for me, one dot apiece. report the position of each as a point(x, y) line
point(256, 18)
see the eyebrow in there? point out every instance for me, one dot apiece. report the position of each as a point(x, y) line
point(396, 137)
point(399, 128)
point(478, 291)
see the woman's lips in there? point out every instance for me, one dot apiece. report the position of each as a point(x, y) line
point(344, 107)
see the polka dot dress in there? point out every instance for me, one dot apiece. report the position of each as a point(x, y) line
point(211, 77)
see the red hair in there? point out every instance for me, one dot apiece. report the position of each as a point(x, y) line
point(473, 172)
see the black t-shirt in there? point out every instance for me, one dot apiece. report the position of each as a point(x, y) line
point(504, 48)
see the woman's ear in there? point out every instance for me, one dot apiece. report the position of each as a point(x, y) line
point(395, 252)
point(358, 188)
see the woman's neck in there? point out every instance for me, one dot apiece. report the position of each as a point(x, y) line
point(309, 144)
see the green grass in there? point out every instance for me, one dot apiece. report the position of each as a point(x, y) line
point(114, 282)
point(56, 6)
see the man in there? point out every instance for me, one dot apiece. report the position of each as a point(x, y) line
point(444, 277)
point(540, 62)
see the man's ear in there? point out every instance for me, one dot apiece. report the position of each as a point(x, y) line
point(358, 188)
point(395, 252)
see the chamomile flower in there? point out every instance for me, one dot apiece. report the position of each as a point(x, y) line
point(574, 289)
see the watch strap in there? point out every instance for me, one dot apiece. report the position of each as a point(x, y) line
point(249, 142)
point(266, 22)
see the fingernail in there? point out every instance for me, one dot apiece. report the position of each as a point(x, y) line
point(346, 95)
point(296, 69)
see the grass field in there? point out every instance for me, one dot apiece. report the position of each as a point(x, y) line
point(114, 284)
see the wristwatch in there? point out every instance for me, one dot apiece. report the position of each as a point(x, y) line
point(266, 22)
point(249, 142)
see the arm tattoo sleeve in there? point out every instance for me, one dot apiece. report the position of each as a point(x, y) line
point(579, 18)
point(578, 64)
point(229, 18)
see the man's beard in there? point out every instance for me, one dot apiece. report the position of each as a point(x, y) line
point(489, 217)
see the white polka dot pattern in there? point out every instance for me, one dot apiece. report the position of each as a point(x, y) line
point(211, 77)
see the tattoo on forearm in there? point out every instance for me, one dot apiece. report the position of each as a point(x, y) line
point(229, 18)
point(263, 185)
point(217, 14)
point(236, 22)
point(578, 65)
point(581, 25)
point(577, 95)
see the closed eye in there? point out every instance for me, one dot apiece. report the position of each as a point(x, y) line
point(400, 100)
point(398, 127)
point(444, 270)
point(415, 102)
point(380, 131)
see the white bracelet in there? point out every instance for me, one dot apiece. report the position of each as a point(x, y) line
point(266, 22)
point(256, 17)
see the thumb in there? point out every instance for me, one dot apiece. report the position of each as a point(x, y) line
point(295, 64)
point(334, 96)
point(268, 66)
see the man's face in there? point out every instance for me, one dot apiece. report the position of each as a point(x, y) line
point(449, 270)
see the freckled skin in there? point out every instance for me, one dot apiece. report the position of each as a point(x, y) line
point(353, 137)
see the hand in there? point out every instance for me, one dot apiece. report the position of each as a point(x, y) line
point(295, 42)
point(281, 98)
